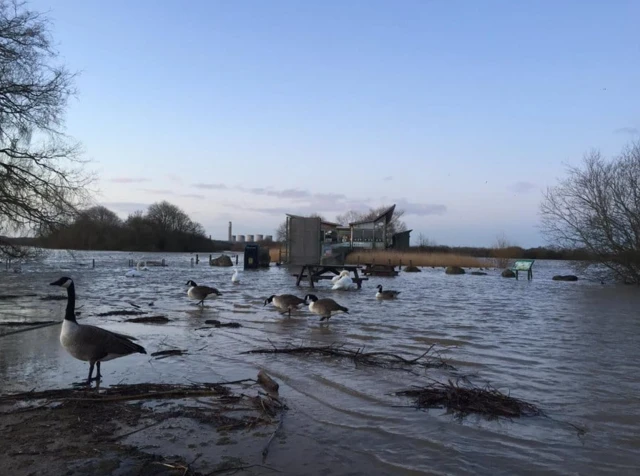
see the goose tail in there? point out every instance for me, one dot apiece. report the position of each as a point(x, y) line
point(139, 349)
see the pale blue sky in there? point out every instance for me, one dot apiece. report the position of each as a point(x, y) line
point(461, 112)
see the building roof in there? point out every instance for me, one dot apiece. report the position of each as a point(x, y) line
point(401, 232)
point(387, 214)
point(322, 222)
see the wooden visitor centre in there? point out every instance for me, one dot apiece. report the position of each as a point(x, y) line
point(313, 241)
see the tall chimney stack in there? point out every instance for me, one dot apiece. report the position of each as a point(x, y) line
point(229, 231)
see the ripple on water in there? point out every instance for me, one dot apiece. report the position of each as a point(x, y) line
point(571, 349)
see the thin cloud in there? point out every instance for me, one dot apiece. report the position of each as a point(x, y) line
point(210, 186)
point(627, 130)
point(129, 180)
point(158, 191)
point(175, 179)
point(523, 187)
point(420, 209)
point(294, 194)
point(388, 178)
point(191, 195)
point(125, 207)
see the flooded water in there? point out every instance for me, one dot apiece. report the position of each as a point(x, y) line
point(570, 347)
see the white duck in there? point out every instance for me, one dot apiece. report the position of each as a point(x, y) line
point(343, 282)
point(134, 273)
point(235, 279)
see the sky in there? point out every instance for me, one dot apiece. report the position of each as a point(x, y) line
point(460, 112)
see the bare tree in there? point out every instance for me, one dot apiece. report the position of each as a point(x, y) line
point(501, 251)
point(167, 217)
point(41, 180)
point(395, 226)
point(597, 207)
point(424, 241)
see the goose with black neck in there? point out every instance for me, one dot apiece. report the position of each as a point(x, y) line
point(90, 343)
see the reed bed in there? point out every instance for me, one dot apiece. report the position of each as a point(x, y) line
point(416, 258)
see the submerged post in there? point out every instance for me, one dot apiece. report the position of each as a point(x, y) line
point(163, 262)
point(236, 259)
point(197, 259)
point(192, 262)
point(93, 263)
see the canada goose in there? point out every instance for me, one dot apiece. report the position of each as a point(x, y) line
point(344, 282)
point(235, 279)
point(285, 302)
point(324, 307)
point(386, 294)
point(91, 343)
point(200, 292)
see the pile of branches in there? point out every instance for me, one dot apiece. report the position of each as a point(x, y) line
point(208, 403)
point(462, 400)
point(428, 359)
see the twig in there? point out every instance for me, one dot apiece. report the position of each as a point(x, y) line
point(32, 328)
point(119, 437)
point(235, 469)
point(380, 359)
point(265, 450)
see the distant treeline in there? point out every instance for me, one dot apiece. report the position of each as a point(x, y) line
point(510, 252)
point(163, 227)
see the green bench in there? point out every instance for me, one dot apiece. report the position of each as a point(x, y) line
point(523, 265)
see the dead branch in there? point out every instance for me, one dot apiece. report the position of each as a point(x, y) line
point(265, 450)
point(149, 320)
point(163, 354)
point(124, 312)
point(217, 323)
point(374, 359)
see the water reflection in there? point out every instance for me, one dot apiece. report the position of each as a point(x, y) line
point(570, 347)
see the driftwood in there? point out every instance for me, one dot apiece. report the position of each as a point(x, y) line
point(163, 354)
point(124, 312)
point(27, 323)
point(30, 328)
point(375, 359)
point(462, 400)
point(16, 296)
point(216, 323)
point(143, 391)
point(53, 297)
point(267, 382)
point(149, 320)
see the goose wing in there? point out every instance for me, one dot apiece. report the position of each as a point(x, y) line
point(104, 342)
point(206, 290)
point(330, 305)
point(291, 299)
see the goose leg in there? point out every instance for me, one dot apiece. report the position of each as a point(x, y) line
point(289, 313)
point(91, 364)
point(98, 374)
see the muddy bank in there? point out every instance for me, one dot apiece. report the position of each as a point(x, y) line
point(146, 429)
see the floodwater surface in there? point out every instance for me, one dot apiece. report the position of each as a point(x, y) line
point(572, 348)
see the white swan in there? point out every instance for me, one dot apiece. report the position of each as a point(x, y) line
point(343, 282)
point(144, 266)
point(134, 273)
point(235, 279)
